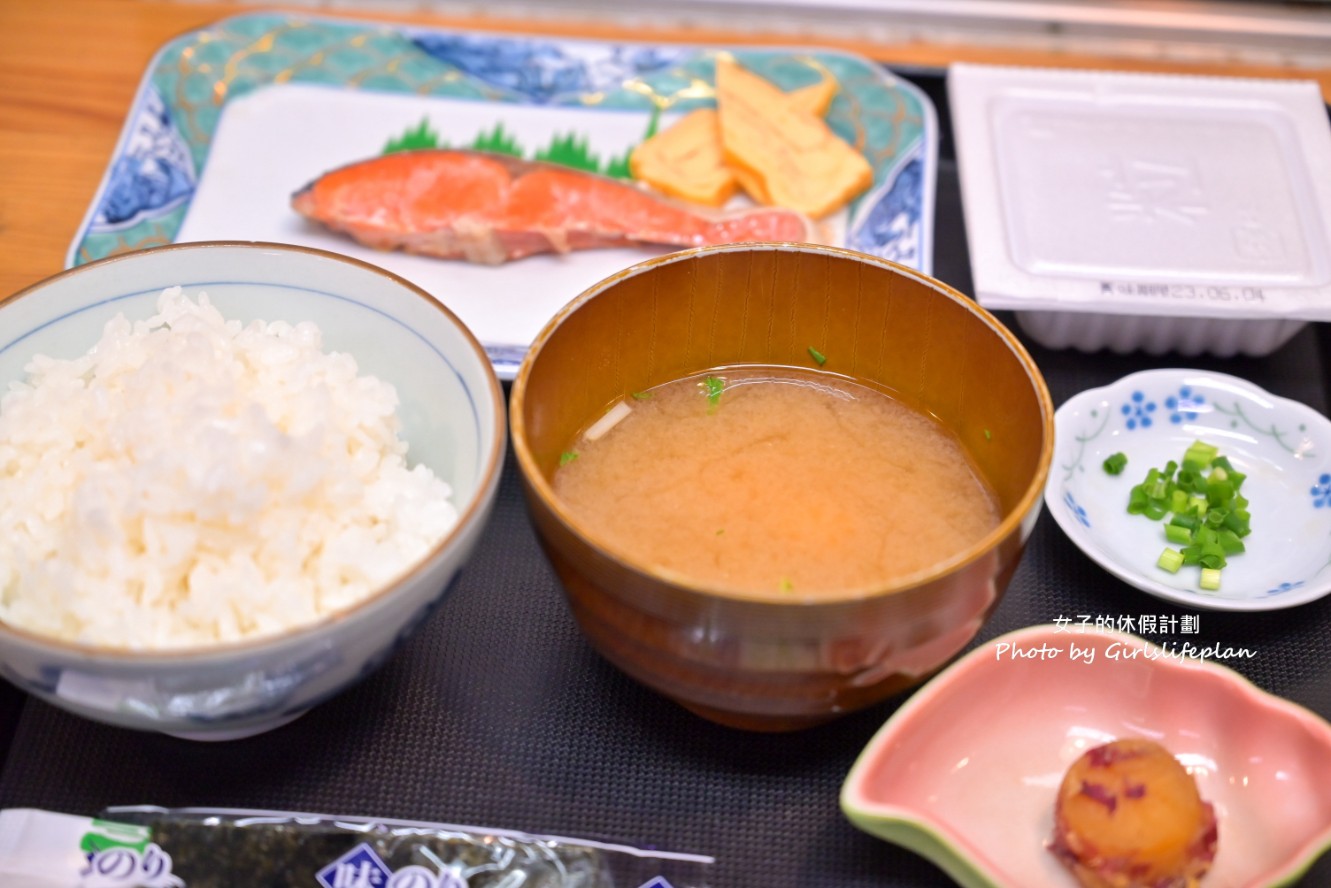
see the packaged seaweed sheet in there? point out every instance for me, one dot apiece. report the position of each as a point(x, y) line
point(150, 847)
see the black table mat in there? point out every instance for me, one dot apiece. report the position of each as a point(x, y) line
point(498, 714)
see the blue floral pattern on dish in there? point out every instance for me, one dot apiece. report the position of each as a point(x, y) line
point(1138, 410)
point(153, 175)
point(892, 227)
point(1321, 492)
point(506, 357)
point(544, 72)
point(1077, 511)
point(1284, 587)
point(43, 683)
point(1183, 406)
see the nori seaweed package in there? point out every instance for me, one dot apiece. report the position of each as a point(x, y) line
point(149, 847)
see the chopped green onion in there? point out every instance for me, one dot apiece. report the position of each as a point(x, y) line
point(1199, 455)
point(1230, 542)
point(641, 396)
point(1218, 492)
point(567, 457)
point(787, 585)
point(1176, 534)
point(1184, 520)
point(1187, 480)
point(987, 436)
point(1114, 463)
point(1213, 555)
point(817, 356)
point(1205, 515)
point(713, 385)
point(1170, 560)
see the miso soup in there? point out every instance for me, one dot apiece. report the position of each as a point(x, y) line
point(775, 482)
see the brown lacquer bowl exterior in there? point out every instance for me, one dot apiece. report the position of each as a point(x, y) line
point(781, 665)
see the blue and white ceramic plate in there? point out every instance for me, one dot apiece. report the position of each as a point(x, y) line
point(1284, 448)
point(232, 119)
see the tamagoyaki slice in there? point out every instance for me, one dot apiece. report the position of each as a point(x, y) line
point(799, 161)
point(685, 160)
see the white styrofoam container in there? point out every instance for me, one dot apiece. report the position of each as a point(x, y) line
point(1091, 331)
point(1140, 211)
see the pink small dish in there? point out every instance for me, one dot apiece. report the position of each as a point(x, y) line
point(965, 772)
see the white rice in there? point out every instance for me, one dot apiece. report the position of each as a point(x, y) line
point(192, 480)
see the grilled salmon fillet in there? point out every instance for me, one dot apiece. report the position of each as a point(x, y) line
point(492, 208)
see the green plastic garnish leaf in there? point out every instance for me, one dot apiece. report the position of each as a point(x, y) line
point(617, 165)
point(414, 138)
point(498, 140)
point(570, 150)
point(653, 123)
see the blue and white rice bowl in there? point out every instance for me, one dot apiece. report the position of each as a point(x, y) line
point(451, 409)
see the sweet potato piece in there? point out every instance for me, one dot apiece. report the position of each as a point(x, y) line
point(1128, 815)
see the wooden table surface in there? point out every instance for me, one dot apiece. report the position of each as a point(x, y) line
point(69, 70)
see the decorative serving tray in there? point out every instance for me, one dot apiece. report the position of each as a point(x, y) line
point(230, 120)
point(497, 712)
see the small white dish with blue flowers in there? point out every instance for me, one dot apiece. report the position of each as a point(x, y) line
point(1284, 448)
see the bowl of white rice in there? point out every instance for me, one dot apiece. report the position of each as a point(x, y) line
point(233, 476)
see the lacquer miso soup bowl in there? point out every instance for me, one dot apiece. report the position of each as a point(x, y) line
point(785, 661)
